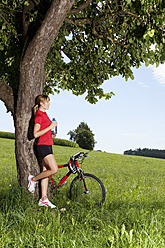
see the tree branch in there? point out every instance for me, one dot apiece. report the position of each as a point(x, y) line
point(26, 22)
point(55, 16)
point(131, 14)
point(7, 7)
point(10, 27)
point(78, 22)
point(81, 7)
point(6, 95)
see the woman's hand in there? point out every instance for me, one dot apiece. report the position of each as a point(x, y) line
point(53, 136)
point(53, 124)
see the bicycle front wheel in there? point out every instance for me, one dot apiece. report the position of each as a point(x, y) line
point(89, 191)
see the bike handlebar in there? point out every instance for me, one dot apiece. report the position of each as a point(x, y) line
point(81, 154)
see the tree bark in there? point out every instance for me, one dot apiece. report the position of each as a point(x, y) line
point(31, 84)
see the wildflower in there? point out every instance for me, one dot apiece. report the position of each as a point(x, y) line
point(63, 209)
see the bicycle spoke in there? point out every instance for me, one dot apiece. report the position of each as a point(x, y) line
point(93, 194)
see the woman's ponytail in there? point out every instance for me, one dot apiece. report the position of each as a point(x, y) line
point(35, 109)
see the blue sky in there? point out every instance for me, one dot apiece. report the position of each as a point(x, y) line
point(133, 118)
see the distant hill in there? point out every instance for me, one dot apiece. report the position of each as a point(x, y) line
point(154, 153)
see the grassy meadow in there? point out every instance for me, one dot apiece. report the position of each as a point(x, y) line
point(133, 215)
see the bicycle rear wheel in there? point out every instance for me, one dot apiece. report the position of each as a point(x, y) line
point(94, 194)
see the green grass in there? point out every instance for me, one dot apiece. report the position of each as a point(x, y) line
point(133, 214)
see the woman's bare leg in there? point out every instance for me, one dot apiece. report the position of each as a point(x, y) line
point(44, 186)
point(52, 168)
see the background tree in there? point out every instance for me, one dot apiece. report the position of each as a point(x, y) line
point(154, 153)
point(83, 136)
point(101, 39)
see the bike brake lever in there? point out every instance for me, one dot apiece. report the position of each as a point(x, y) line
point(85, 154)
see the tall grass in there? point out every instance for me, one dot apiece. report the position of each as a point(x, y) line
point(133, 214)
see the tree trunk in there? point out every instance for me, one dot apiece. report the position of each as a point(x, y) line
point(32, 79)
point(31, 84)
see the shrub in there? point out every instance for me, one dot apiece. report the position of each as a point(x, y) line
point(63, 142)
point(7, 135)
point(59, 142)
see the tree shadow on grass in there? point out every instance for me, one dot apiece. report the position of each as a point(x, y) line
point(112, 213)
point(14, 198)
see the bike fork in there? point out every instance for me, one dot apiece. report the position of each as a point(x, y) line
point(86, 191)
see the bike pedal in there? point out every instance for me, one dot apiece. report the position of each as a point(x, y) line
point(64, 184)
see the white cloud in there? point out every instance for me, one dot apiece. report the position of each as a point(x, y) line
point(143, 85)
point(159, 73)
point(134, 135)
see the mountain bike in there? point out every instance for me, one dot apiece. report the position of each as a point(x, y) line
point(85, 187)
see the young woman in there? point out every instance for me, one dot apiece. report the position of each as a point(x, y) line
point(42, 130)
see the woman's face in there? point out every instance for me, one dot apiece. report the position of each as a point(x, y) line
point(45, 104)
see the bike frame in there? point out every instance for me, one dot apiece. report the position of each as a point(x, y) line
point(64, 178)
point(74, 167)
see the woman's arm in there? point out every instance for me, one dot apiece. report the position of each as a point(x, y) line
point(38, 132)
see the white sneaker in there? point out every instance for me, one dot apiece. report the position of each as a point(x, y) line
point(31, 184)
point(46, 203)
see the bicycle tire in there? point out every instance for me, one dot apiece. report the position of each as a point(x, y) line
point(96, 194)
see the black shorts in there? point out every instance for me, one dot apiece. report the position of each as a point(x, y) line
point(44, 150)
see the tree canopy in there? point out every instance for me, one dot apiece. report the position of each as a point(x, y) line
point(98, 39)
point(83, 136)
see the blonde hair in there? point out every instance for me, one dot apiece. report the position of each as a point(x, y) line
point(38, 100)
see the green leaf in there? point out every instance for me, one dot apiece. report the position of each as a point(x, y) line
point(26, 3)
point(147, 63)
point(3, 26)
